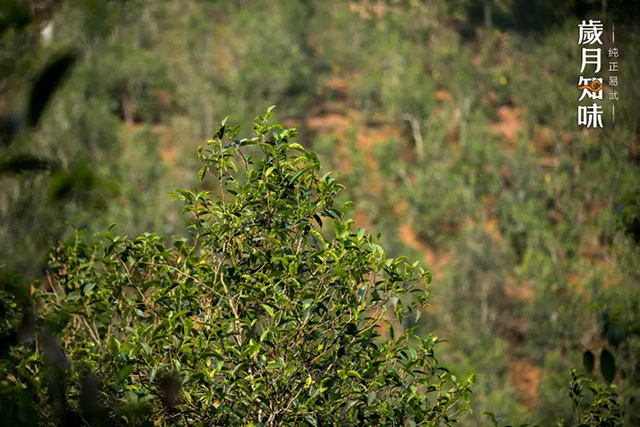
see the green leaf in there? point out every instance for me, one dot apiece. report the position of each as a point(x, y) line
point(337, 227)
point(274, 365)
point(219, 133)
point(354, 374)
point(268, 309)
point(124, 373)
point(152, 373)
point(88, 288)
point(114, 346)
point(265, 335)
point(296, 146)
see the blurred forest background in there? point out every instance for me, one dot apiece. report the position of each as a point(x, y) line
point(452, 124)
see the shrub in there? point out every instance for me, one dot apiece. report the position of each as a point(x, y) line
point(262, 317)
point(594, 404)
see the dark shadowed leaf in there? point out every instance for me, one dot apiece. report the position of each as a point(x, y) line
point(170, 389)
point(219, 133)
point(607, 365)
point(26, 330)
point(90, 405)
point(10, 126)
point(24, 163)
point(588, 360)
point(15, 14)
point(47, 83)
point(53, 353)
point(615, 335)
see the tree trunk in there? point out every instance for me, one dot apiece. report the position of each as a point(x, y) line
point(487, 13)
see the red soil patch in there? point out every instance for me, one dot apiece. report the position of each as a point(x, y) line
point(369, 136)
point(431, 257)
point(335, 118)
point(362, 221)
point(521, 291)
point(547, 162)
point(543, 139)
point(338, 84)
point(509, 123)
point(328, 124)
point(401, 206)
point(525, 377)
point(443, 95)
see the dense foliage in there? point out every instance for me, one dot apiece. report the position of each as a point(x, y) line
point(455, 135)
point(257, 319)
